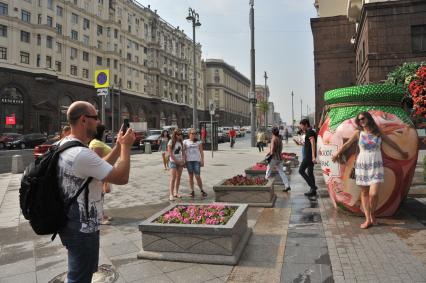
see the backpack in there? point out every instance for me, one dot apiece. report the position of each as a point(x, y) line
point(40, 195)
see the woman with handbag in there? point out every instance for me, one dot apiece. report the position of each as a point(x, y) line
point(369, 172)
point(276, 160)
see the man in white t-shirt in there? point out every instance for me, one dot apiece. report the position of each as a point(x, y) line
point(81, 234)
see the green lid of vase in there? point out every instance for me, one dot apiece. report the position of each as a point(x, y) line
point(346, 103)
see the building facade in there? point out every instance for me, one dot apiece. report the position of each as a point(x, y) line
point(49, 51)
point(365, 42)
point(228, 89)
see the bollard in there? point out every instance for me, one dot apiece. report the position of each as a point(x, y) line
point(148, 148)
point(17, 164)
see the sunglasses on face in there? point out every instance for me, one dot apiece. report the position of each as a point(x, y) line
point(94, 117)
point(361, 118)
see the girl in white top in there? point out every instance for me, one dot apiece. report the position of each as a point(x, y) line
point(176, 163)
point(194, 160)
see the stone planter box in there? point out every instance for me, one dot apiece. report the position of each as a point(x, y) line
point(200, 243)
point(263, 196)
point(250, 172)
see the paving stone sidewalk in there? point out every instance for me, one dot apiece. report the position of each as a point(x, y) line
point(299, 240)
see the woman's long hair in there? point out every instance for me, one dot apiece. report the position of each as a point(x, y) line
point(371, 124)
point(176, 138)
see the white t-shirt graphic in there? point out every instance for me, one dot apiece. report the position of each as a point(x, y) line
point(192, 150)
point(75, 165)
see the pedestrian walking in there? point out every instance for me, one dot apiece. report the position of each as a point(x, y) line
point(260, 137)
point(76, 165)
point(194, 160)
point(176, 163)
point(369, 172)
point(275, 150)
point(309, 154)
point(164, 140)
point(102, 149)
point(286, 134)
point(232, 136)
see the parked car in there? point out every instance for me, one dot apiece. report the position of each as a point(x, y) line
point(170, 129)
point(247, 129)
point(154, 140)
point(8, 137)
point(221, 136)
point(138, 137)
point(30, 140)
point(41, 149)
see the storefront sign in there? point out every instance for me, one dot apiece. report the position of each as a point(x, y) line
point(10, 120)
point(12, 101)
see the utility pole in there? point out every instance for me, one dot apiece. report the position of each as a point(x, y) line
point(252, 93)
point(292, 111)
point(266, 99)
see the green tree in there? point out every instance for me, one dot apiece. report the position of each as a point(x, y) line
point(263, 108)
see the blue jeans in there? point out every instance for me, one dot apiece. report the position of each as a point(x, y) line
point(83, 254)
point(194, 167)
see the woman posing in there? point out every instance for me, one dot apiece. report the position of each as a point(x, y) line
point(275, 150)
point(369, 171)
point(102, 149)
point(194, 160)
point(176, 162)
point(164, 140)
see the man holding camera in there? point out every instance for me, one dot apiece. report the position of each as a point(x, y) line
point(76, 165)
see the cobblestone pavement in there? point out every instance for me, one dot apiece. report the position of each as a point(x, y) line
point(299, 240)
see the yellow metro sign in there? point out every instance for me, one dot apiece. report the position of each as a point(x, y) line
point(101, 78)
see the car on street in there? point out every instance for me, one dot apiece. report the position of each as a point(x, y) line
point(41, 149)
point(8, 137)
point(153, 139)
point(27, 141)
point(221, 136)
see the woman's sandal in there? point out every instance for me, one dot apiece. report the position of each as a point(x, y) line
point(192, 194)
point(365, 225)
point(203, 193)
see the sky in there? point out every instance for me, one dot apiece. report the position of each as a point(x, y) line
point(283, 43)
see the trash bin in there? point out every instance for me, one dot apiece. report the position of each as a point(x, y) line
point(148, 148)
point(17, 164)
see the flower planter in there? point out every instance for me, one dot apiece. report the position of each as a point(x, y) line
point(260, 171)
point(254, 195)
point(200, 243)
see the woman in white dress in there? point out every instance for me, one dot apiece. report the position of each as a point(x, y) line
point(369, 171)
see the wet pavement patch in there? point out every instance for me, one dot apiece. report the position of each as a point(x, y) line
point(306, 256)
point(415, 208)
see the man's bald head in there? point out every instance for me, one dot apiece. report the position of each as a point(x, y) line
point(78, 109)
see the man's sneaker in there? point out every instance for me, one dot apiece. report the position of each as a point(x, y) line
point(311, 192)
point(287, 189)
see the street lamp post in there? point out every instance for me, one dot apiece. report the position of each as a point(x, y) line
point(194, 18)
point(301, 114)
point(266, 99)
point(292, 111)
point(252, 94)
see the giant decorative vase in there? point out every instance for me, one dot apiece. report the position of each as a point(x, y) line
point(383, 102)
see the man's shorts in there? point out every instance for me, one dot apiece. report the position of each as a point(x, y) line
point(194, 167)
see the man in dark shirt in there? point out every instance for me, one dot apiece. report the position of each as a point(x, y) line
point(309, 157)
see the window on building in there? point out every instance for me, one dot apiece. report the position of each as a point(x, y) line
point(98, 60)
point(49, 21)
point(73, 53)
point(115, 63)
point(25, 57)
point(137, 59)
point(48, 62)
point(115, 33)
point(85, 56)
point(50, 4)
point(3, 31)
point(86, 23)
point(38, 59)
point(58, 28)
point(418, 38)
point(100, 30)
point(129, 56)
point(85, 73)
point(38, 39)
point(3, 53)
point(49, 42)
point(59, 11)
point(129, 84)
point(108, 63)
point(39, 19)
point(58, 47)
point(25, 16)
point(76, 2)
point(74, 18)
point(3, 8)
point(86, 40)
point(73, 70)
point(129, 28)
point(25, 36)
point(145, 50)
point(74, 35)
point(58, 66)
